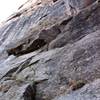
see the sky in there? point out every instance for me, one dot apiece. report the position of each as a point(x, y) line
point(8, 7)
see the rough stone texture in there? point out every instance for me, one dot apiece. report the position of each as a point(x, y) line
point(45, 54)
point(88, 92)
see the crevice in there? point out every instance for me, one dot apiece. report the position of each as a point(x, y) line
point(39, 3)
point(75, 85)
point(31, 90)
point(44, 38)
point(65, 22)
point(55, 0)
point(9, 73)
point(14, 16)
point(34, 63)
point(22, 66)
point(43, 16)
point(13, 72)
point(35, 45)
point(14, 51)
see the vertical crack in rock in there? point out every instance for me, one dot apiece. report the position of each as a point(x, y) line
point(30, 92)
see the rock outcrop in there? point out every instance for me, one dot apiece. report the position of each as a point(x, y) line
point(47, 53)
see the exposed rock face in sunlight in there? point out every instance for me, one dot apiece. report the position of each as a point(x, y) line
point(7, 7)
point(47, 52)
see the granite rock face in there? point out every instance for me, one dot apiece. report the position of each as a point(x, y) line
point(88, 92)
point(47, 53)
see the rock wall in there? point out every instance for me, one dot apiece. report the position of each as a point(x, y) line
point(48, 53)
